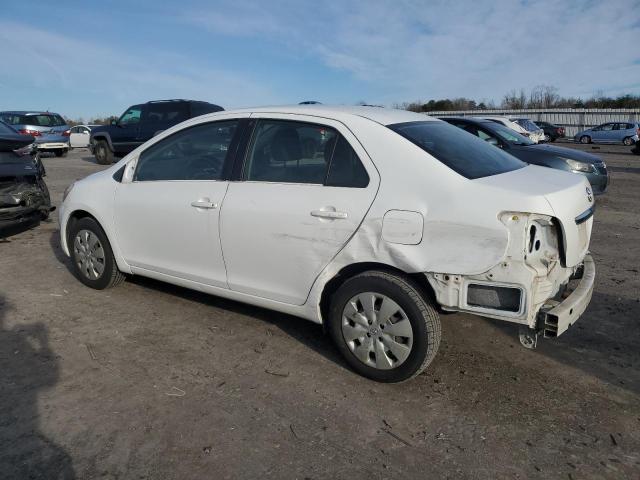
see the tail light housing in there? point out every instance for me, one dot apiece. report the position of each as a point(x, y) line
point(26, 131)
point(66, 133)
point(561, 130)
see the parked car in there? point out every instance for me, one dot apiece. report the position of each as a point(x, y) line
point(24, 197)
point(366, 220)
point(536, 133)
point(511, 125)
point(561, 158)
point(551, 132)
point(80, 136)
point(626, 133)
point(50, 130)
point(141, 122)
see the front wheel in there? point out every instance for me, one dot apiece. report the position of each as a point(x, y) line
point(92, 257)
point(585, 139)
point(385, 328)
point(628, 141)
point(102, 152)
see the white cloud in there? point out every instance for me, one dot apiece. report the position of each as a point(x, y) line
point(413, 49)
point(109, 80)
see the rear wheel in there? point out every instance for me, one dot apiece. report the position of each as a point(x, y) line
point(102, 152)
point(92, 257)
point(628, 141)
point(585, 139)
point(384, 327)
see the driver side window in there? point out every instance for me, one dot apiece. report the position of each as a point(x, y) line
point(131, 116)
point(196, 153)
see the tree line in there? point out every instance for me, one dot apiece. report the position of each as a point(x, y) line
point(542, 96)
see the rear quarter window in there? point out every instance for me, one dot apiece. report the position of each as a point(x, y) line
point(461, 151)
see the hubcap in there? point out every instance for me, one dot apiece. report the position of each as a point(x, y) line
point(89, 254)
point(377, 330)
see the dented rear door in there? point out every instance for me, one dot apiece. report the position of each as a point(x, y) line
point(279, 231)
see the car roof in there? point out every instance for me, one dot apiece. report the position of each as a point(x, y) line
point(381, 115)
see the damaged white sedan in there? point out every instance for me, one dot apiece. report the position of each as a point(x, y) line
point(368, 220)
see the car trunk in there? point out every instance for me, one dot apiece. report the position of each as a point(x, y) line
point(569, 196)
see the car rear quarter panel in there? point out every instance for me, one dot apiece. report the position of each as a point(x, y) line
point(462, 232)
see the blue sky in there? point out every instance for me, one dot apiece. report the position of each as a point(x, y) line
point(96, 58)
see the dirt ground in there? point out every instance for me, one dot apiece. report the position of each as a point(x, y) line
point(152, 381)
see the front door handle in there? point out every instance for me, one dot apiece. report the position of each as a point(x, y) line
point(204, 203)
point(332, 214)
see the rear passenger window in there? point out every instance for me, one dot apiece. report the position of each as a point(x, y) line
point(197, 153)
point(166, 112)
point(289, 152)
point(345, 169)
point(298, 152)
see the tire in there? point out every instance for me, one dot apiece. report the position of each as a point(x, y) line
point(585, 139)
point(93, 271)
point(61, 153)
point(44, 215)
point(102, 152)
point(628, 141)
point(367, 348)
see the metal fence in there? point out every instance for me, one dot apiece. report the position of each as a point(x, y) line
point(572, 119)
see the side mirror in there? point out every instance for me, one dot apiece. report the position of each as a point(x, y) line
point(493, 141)
point(114, 123)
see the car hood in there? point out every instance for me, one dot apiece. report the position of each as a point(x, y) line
point(10, 142)
point(101, 128)
point(17, 169)
point(564, 152)
point(568, 195)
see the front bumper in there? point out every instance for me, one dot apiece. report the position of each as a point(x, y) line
point(556, 316)
point(18, 221)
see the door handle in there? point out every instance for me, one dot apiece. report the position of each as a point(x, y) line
point(332, 214)
point(204, 203)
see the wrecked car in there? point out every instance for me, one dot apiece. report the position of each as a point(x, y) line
point(367, 220)
point(24, 197)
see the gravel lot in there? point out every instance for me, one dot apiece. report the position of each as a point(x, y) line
point(153, 381)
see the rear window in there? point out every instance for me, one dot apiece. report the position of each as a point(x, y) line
point(200, 108)
point(43, 120)
point(167, 112)
point(461, 151)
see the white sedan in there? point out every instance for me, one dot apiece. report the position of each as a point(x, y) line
point(80, 135)
point(367, 220)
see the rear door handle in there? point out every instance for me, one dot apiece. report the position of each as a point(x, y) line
point(329, 214)
point(204, 203)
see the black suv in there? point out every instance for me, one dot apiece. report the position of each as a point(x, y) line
point(141, 122)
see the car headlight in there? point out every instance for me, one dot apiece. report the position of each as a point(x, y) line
point(579, 166)
point(67, 191)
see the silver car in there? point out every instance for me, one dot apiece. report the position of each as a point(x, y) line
point(50, 130)
point(612, 132)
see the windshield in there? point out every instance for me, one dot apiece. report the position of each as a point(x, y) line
point(527, 124)
point(7, 130)
point(462, 152)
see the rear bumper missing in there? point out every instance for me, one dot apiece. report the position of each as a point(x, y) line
point(556, 316)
